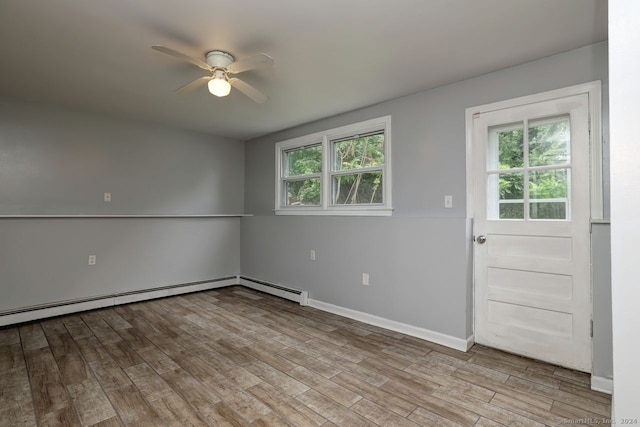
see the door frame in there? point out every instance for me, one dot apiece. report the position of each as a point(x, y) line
point(593, 90)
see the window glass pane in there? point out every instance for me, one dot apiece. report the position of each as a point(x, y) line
point(357, 188)
point(303, 161)
point(359, 152)
point(547, 210)
point(511, 186)
point(303, 192)
point(549, 142)
point(505, 196)
point(506, 147)
point(512, 210)
point(549, 194)
point(550, 184)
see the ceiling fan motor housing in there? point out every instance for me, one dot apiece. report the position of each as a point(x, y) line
point(218, 58)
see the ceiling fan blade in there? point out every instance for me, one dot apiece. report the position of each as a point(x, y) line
point(248, 90)
point(179, 55)
point(194, 84)
point(246, 64)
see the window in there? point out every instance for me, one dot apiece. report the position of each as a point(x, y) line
point(529, 173)
point(342, 171)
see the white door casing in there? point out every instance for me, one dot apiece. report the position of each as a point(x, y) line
point(532, 276)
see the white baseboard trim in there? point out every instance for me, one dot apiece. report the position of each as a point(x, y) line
point(28, 314)
point(414, 331)
point(602, 384)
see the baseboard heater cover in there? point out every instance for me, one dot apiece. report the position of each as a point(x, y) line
point(301, 297)
point(27, 314)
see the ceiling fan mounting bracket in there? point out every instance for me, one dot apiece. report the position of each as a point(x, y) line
point(219, 59)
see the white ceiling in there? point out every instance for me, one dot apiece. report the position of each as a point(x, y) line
point(331, 56)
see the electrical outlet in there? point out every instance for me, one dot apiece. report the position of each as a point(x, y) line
point(312, 255)
point(365, 279)
point(92, 260)
point(107, 197)
point(448, 202)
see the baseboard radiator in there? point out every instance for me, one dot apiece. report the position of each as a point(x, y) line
point(27, 314)
point(301, 297)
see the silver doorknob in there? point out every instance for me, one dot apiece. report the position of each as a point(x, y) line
point(481, 239)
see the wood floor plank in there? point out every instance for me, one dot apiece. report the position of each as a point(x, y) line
point(62, 344)
point(73, 368)
point(375, 394)
point(40, 361)
point(327, 387)
point(237, 357)
point(49, 394)
point(32, 337)
point(92, 350)
point(91, 402)
point(332, 410)
point(109, 374)
point(380, 415)
point(11, 357)
point(174, 410)
point(271, 375)
point(290, 409)
point(132, 407)
point(484, 409)
point(151, 385)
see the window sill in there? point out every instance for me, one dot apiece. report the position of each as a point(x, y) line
point(336, 212)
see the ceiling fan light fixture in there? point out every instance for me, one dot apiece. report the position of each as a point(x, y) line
point(218, 85)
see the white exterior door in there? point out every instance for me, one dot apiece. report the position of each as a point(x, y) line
point(531, 230)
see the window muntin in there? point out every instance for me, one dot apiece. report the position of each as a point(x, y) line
point(529, 170)
point(342, 171)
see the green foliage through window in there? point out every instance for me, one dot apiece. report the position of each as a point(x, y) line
point(340, 171)
point(300, 162)
point(351, 155)
point(548, 146)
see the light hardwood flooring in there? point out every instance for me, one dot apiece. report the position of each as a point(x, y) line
point(236, 357)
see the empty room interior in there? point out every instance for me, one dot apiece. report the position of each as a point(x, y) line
point(336, 213)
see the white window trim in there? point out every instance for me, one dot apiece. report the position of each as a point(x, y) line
point(324, 138)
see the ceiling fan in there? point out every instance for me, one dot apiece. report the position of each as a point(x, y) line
point(222, 65)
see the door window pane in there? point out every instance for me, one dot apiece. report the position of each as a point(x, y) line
point(549, 184)
point(506, 147)
point(510, 148)
point(549, 194)
point(511, 186)
point(549, 142)
point(547, 210)
point(512, 210)
point(505, 195)
point(357, 188)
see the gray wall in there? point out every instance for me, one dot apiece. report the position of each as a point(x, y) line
point(425, 279)
point(56, 161)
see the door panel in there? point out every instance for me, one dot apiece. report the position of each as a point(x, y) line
point(531, 199)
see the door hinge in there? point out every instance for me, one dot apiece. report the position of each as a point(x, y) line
point(591, 328)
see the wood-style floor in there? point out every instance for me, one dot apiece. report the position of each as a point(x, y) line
point(237, 357)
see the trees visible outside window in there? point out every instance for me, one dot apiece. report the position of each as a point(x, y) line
point(357, 175)
point(341, 171)
point(541, 157)
point(302, 181)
